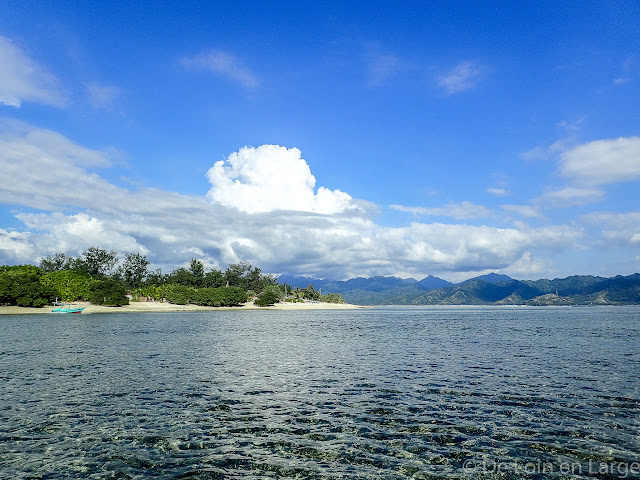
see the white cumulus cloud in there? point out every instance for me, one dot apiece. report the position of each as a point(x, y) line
point(271, 177)
point(16, 246)
point(603, 161)
point(24, 80)
point(617, 228)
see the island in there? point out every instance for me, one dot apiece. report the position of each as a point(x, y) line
point(97, 281)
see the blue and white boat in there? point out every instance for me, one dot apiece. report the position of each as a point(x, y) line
point(64, 307)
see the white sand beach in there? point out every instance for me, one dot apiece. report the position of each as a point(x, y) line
point(139, 307)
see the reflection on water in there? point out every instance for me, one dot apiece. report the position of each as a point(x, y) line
point(377, 393)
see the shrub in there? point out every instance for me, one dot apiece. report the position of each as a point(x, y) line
point(31, 293)
point(179, 294)
point(270, 295)
point(332, 298)
point(20, 285)
point(153, 292)
point(68, 285)
point(232, 296)
point(109, 292)
point(211, 297)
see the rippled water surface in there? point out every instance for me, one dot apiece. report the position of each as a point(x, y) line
point(375, 393)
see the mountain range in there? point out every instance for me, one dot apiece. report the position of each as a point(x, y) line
point(491, 289)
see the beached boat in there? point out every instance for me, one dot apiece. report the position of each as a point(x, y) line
point(63, 307)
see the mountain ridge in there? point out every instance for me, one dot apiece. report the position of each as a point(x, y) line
point(490, 289)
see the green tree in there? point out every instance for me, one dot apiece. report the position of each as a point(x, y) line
point(6, 295)
point(287, 289)
point(135, 269)
point(234, 273)
point(332, 298)
point(20, 285)
point(156, 277)
point(253, 279)
point(97, 262)
point(245, 276)
point(310, 293)
point(214, 278)
point(108, 292)
point(233, 296)
point(269, 296)
point(179, 294)
point(181, 276)
point(196, 268)
point(29, 292)
point(68, 284)
point(56, 263)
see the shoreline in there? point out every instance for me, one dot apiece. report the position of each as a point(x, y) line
point(150, 307)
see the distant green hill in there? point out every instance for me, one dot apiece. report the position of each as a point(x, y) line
point(575, 290)
point(491, 289)
point(479, 292)
point(371, 291)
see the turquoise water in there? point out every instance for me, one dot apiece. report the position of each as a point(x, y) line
point(378, 393)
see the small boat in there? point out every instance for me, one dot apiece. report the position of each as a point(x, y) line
point(63, 307)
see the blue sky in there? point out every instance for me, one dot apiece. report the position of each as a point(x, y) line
point(332, 139)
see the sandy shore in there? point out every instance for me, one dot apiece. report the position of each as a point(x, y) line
point(138, 307)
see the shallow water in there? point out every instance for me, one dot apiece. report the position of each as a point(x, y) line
point(378, 393)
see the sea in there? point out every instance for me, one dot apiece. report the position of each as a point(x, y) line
point(376, 393)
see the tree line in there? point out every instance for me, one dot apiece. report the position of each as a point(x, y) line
point(98, 276)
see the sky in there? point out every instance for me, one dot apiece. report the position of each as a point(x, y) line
point(332, 140)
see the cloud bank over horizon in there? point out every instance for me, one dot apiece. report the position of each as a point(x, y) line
point(262, 207)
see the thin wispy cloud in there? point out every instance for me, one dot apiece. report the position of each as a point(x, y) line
point(571, 197)
point(23, 80)
point(382, 66)
point(463, 76)
point(526, 211)
point(103, 97)
point(223, 64)
point(499, 192)
point(461, 210)
point(627, 69)
point(571, 127)
point(545, 153)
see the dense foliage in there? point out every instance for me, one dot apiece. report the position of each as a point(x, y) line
point(109, 292)
point(332, 298)
point(269, 296)
point(212, 297)
point(98, 276)
point(69, 285)
point(20, 285)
